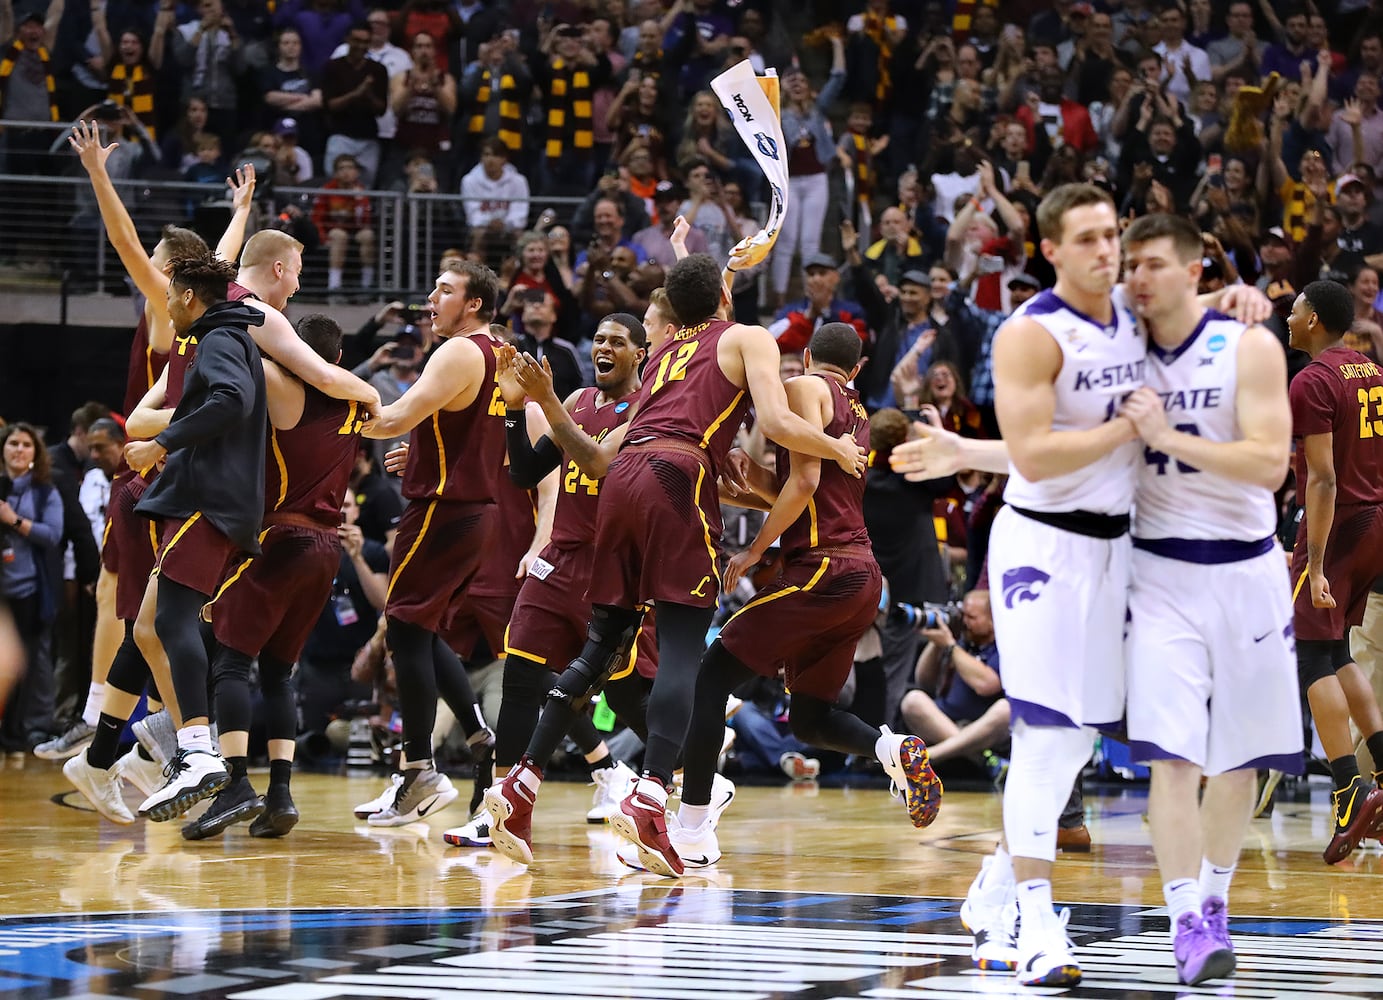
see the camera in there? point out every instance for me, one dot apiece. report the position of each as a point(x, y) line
point(929, 615)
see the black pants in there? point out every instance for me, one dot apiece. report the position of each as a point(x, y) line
point(29, 717)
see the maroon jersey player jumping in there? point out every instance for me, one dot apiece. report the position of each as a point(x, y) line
point(658, 524)
point(1337, 423)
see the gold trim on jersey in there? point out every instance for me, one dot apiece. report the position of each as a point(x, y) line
point(282, 466)
point(794, 589)
point(1300, 580)
point(441, 454)
point(705, 525)
point(427, 520)
point(715, 424)
point(177, 536)
point(811, 515)
point(239, 571)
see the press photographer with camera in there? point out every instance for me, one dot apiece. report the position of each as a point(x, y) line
point(959, 707)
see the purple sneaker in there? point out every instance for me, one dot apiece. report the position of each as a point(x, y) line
point(1215, 916)
point(1199, 956)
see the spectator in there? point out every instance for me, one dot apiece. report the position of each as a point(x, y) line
point(355, 90)
point(695, 37)
point(1170, 151)
point(31, 520)
point(653, 240)
point(1358, 238)
point(958, 707)
point(1066, 122)
point(795, 322)
point(1285, 56)
point(1363, 285)
point(637, 173)
point(1356, 130)
point(600, 39)
point(497, 195)
point(744, 289)
point(608, 217)
point(568, 79)
point(943, 388)
point(423, 100)
point(897, 250)
point(859, 156)
point(873, 35)
point(321, 24)
point(1095, 59)
point(708, 137)
point(538, 339)
point(394, 60)
point(292, 165)
point(291, 94)
point(179, 148)
point(532, 273)
point(27, 88)
point(437, 18)
point(211, 54)
point(377, 496)
point(343, 219)
point(131, 70)
point(495, 89)
point(1182, 62)
point(636, 117)
point(706, 210)
point(1240, 49)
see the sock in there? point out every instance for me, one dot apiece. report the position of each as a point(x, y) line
point(1375, 744)
point(280, 773)
point(527, 775)
point(144, 754)
point(1000, 869)
point(693, 817)
point(1343, 770)
point(1034, 903)
point(881, 748)
point(602, 763)
point(195, 738)
point(414, 765)
point(1214, 882)
point(239, 767)
point(333, 278)
point(1183, 896)
point(95, 701)
point(103, 747)
point(653, 788)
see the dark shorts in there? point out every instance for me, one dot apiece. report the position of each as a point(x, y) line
point(808, 621)
point(436, 555)
point(552, 616)
point(473, 617)
point(271, 603)
point(657, 531)
point(1353, 561)
point(194, 553)
point(129, 546)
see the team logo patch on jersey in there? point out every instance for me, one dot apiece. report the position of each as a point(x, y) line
point(621, 407)
point(1025, 583)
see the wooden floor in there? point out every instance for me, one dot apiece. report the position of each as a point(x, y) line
point(59, 859)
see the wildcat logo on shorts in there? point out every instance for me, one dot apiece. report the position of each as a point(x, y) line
point(766, 145)
point(1025, 583)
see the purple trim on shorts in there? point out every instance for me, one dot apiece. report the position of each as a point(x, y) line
point(1037, 715)
point(1118, 730)
point(1287, 763)
point(1141, 752)
point(1206, 552)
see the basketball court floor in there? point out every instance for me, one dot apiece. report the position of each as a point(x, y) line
point(822, 894)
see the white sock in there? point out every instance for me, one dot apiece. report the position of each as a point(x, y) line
point(1214, 881)
point(195, 738)
point(693, 817)
point(1183, 896)
point(653, 788)
point(95, 700)
point(414, 765)
point(367, 277)
point(883, 747)
point(333, 278)
point(527, 777)
point(1034, 903)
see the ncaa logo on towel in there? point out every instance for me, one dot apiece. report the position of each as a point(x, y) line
point(777, 205)
point(766, 145)
point(743, 108)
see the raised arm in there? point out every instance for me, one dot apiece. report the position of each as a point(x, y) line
point(277, 338)
point(532, 454)
point(936, 453)
point(242, 189)
point(1260, 457)
point(1026, 363)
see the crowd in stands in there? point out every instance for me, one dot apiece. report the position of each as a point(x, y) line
point(921, 136)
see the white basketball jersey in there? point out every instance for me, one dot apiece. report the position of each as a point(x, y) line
point(1100, 366)
point(1197, 383)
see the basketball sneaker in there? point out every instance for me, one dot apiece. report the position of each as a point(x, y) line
point(423, 791)
point(722, 794)
point(1356, 807)
point(236, 803)
point(192, 775)
point(510, 805)
point(99, 787)
point(612, 784)
point(476, 833)
point(384, 801)
point(279, 816)
point(1215, 916)
point(990, 914)
point(139, 771)
point(799, 768)
point(482, 748)
point(1267, 784)
point(1045, 952)
point(641, 820)
point(907, 764)
point(1198, 954)
point(77, 738)
point(697, 848)
point(159, 737)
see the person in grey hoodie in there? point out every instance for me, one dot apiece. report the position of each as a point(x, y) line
point(496, 194)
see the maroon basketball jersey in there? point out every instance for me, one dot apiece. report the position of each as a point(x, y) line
point(308, 467)
point(146, 365)
point(835, 513)
point(515, 522)
point(573, 523)
point(1341, 393)
point(185, 349)
point(459, 455)
point(686, 396)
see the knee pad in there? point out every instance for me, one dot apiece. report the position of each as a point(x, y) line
point(612, 626)
point(612, 631)
point(1315, 661)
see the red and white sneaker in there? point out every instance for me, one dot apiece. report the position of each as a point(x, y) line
point(642, 821)
point(510, 805)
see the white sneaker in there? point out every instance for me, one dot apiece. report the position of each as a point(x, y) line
point(476, 833)
point(100, 788)
point(722, 794)
point(428, 792)
point(1045, 953)
point(990, 913)
point(697, 848)
point(732, 707)
point(612, 784)
point(159, 737)
point(386, 799)
point(143, 774)
point(193, 775)
point(799, 768)
point(727, 743)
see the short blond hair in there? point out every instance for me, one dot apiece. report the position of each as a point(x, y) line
point(267, 246)
point(658, 300)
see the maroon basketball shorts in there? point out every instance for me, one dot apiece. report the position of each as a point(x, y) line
point(657, 529)
point(436, 554)
point(194, 553)
point(270, 603)
point(1353, 561)
point(808, 620)
point(129, 546)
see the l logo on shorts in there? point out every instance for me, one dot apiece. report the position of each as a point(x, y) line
point(1024, 583)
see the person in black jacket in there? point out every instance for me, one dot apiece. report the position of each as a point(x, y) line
point(210, 497)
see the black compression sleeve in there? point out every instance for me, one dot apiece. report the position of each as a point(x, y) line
point(528, 463)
